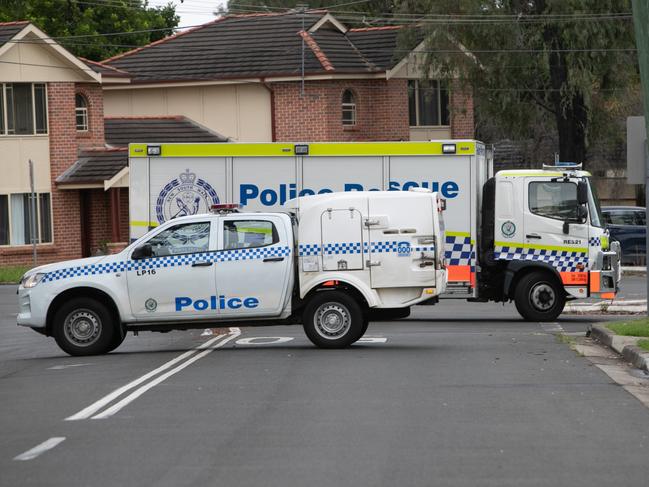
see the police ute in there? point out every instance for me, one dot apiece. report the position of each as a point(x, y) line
point(332, 262)
point(534, 236)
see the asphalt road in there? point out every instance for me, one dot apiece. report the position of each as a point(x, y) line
point(458, 395)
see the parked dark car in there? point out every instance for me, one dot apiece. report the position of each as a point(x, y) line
point(627, 225)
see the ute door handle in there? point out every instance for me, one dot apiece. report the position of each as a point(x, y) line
point(533, 235)
point(273, 259)
point(201, 263)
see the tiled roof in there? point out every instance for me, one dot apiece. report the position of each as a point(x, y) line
point(104, 69)
point(121, 131)
point(9, 29)
point(100, 164)
point(261, 45)
point(95, 166)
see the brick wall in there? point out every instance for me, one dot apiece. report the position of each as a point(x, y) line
point(461, 107)
point(94, 137)
point(65, 142)
point(381, 110)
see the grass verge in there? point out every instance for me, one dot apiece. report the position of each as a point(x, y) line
point(12, 274)
point(643, 344)
point(634, 328)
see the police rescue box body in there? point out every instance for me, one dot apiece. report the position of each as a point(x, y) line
point(331, 262)
point(535, 237)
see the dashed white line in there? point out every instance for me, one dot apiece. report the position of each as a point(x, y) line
point(39, 449)
point(104, 401)
point(61, 367)
point(552, 327)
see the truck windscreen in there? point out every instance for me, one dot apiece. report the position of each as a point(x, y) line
point(594, 209)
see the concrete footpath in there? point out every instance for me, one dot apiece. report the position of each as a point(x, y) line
point(624, 345)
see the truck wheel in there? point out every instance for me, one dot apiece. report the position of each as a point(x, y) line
point(539, 297)
point(84, 326)
point(118, 338)
point(332, 319)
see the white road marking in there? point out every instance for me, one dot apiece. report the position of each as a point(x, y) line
point(96, 406)
point(61, 367)
point(372, 340)
point(263, 340)
point(39, 449)
point(234, 332)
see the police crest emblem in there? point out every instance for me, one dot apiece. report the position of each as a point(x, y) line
point(183, 196)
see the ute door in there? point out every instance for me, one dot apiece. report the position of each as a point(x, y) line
point(551, 203)
point(342, 239)
point(177, 281)
point(254, 269)
point(402, 244)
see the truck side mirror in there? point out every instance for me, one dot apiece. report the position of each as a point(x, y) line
point(582, 192)
point(142, 252)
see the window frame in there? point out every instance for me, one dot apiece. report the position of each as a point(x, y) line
point(39, 212)
point(417, 102)
point(210, 241)
point(221, 239)
point(4, 111)
point(83, 111)
point(529, 199)
point(349, 107)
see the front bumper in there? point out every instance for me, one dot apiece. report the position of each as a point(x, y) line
point(31, 310)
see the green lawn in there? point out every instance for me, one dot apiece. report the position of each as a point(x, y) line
point(12, 274)
point(643, 344)
point(635, 328)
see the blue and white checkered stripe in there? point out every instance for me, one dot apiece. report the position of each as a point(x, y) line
point(562, 260)
point(168, 261)
point(594, 242)
point(459, 250)
point(357, 248)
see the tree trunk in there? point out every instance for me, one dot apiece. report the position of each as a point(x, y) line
point(571, 115)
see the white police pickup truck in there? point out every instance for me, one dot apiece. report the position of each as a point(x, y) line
point(333, 263)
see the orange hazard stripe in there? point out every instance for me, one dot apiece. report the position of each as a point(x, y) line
point(607, 295)
point(459, 273)
point(595, 284)
point(574, 278)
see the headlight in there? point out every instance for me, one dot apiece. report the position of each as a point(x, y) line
point(33, 279)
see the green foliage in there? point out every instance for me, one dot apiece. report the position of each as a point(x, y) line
point(528, 68)
point(643, 344)
point(636, 328)
point(65, 18)
point(12, 274)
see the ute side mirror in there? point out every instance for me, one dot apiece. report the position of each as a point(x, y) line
point(582, 193)
point(144, 251)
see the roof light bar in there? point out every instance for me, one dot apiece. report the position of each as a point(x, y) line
point(225, 208)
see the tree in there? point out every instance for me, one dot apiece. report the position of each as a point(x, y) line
point(94, 22)
point(526, 58)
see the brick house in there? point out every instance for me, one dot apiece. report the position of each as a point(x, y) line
point(52, 113)
point(243, 76)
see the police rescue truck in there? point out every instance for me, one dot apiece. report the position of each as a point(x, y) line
point(333, 262)
point(532, 236)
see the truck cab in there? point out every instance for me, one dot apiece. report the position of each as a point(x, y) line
point(551, 248)
point(328, 263)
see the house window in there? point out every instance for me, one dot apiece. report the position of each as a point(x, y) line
point(23, 109)
point(349, 108)
point(16, 219)
point(81, 110)
point(428, 103)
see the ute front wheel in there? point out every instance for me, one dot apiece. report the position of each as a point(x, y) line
point(332, 319)
point(539, 297)
point(84, 326)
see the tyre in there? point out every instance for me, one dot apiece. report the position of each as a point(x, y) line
point(84, 326)
point(333, 319)
point(539, 297)
point(366, 324)
point(118, 339)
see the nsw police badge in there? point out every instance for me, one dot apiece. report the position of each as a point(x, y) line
point(183, 196)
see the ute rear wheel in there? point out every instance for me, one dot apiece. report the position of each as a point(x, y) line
point(333, 319)
point(84, 326)
point(539, 297)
